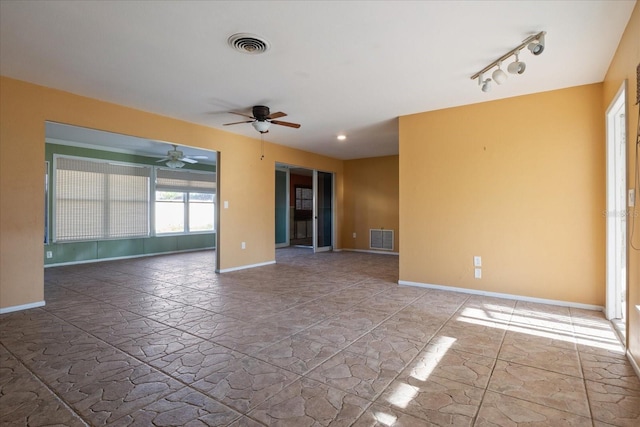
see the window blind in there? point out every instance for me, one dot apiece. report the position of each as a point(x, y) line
point(100, 200)
point(185, 180)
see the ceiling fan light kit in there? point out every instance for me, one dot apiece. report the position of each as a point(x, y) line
point(535, 44)
point(262, 119)
point(176, 159)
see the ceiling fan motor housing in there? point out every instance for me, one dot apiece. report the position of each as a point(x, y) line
point(261, 113)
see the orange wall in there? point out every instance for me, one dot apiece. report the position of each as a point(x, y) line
point(519, 182)
point(370, 200)
point(245, 181)
point(623, 66)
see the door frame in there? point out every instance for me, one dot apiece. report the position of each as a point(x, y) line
point(287, 241)
point(616, 251)
point(317, 248)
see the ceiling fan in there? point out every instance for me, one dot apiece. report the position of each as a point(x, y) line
point(176, 158)
point(262, 119)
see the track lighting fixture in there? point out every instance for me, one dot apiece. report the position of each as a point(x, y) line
point(535, 44)
point(485, 84)
point(517, 66)
point(498, 75)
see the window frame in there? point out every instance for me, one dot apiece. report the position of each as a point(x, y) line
point(52, 237)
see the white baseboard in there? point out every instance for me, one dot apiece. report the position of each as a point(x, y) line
point(633, 363)
point(501, 295)
point(366, 251)
point(244, 267)
point(21, 307)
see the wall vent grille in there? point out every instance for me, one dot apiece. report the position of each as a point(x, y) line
point(381, 239)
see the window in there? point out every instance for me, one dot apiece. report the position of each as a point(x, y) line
point(97, 200)
point(184, 201)
point(169, 212)
point(304, 202)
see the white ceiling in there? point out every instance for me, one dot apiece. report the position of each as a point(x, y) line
point(335, 67)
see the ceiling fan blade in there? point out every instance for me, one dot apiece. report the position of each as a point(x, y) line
point(188, 160)
point(164, 159)
point(276, 115)
point(237, 123)
point(288, 124)
point(242, 114)
point(198, 157)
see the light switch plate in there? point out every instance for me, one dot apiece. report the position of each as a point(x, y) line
point(632, 197)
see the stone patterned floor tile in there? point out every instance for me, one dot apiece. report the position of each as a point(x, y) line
point(478, 339)
point(246, 422)
point(211, 325)
point(249, 339)
point(415, 330)
point(611, 370)
point(204, 362)
point(308, 403)
point(614, 405)
point(297, 355)
point(25, 401)
point(248, 383)
point(363, 376)
point(158, 344)
point(385, 416)
point(436, 400)
point(65, 364)
point(331, 332)
point(108, 399)
point(150, 305)
point(383, 346)
point(179, 317)
point(439, 359)
point(500, 410)
point(180, 344)
point(555, 355)
point(186, 407)
point(546, 388)
point(91, 318)
point(127, 330)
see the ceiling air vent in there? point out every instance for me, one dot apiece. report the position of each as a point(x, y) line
point(248, 43)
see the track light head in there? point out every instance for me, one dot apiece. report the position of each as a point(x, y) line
point(498, 75)
point(537, 46)
point(486, 85)
point(517, 66)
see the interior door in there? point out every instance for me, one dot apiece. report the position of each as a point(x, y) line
point(323, 211)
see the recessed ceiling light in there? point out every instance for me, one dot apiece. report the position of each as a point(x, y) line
point(342, 137)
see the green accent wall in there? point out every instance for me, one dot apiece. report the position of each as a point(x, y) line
point(71, 252)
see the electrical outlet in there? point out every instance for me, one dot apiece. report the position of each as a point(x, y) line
point(478, 273)
point(226, 204)
point(477, 261)
point(632, 197)
point(354, 235)
point(49, 254)
point(243, 245)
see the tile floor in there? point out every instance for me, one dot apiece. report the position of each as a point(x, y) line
point(315, 340)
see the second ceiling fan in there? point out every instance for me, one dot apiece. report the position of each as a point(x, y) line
point(262, 119)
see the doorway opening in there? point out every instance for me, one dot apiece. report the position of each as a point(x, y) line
point(114, 196)
point(616, 214)
point(304, 208)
